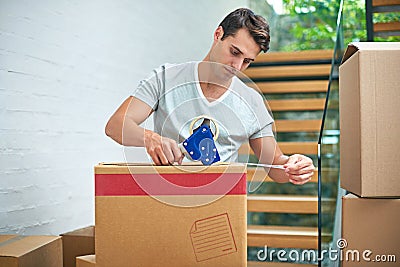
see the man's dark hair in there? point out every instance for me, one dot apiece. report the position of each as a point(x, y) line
point(245, 18)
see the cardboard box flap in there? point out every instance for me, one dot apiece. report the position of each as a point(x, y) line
point(20, 245)
point(4, 238)
point(87, 231)
point(368, 46)
point(350, 196)
point(86, 261)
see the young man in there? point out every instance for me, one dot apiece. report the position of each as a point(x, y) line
point(178, 94)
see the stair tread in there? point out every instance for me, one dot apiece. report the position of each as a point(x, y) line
point(308, 148)
point(297, 125)
point(258, 174)
point(282, 197)
point(385, 2)
point(299, 204)
point(387, 26)
point(294, 56)
point(296, 104)
point(288, 71)
point(291, 198)
point(282, 230)
point(282, 236)
point(290, 86)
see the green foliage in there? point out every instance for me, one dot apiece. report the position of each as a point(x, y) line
point(386, 17)
point(311, 24)
point(354, 22)
point(315, 21)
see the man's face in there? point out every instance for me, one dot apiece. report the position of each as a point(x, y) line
point(234, 52)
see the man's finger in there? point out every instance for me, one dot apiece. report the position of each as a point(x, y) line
point(177, 152)
point(298, 160)
point(300, 165)
point(301, 177)
point(292, 160)
point(299, 182)
point(168, 153)
point(161, 155)
point(306, 169)
point(155, 158)
point(181, 159)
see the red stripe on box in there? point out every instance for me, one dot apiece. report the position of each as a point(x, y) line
point(170, 184)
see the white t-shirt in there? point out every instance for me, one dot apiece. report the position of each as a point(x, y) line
point(174, 93)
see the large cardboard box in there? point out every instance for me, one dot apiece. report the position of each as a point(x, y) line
point(170, 215)
point(370, 228)
point(76, 243)
point(86, 261)
point(369, 79)
point(30, 251)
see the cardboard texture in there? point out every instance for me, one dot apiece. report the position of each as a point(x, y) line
point(76, 243)
point(370, 224)
point(170, 215)
point(369, 119)
point(86, 261)
point(30, 251)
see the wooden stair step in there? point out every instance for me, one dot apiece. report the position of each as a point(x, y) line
point(307, 148)
point(259, 175)
point(306, 55)
point(296, 104)
point(282, 236)
point(297, 125)
point(387, 26)
point(291, 87)
point(288, 71)
point(283, 204)
point(277, 264)
point(385, 2)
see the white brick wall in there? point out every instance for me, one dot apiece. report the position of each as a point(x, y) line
point(65, 66)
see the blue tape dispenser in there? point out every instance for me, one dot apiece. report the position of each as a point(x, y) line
point(200, 145)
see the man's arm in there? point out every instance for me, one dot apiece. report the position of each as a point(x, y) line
point(123, 127)
point(299, 169)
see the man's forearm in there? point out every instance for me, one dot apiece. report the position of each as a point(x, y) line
point(125, 132)
point(279, 175)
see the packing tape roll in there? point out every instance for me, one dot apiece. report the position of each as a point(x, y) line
point(216, 134)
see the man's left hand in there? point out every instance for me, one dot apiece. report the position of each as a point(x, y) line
point(299, 168)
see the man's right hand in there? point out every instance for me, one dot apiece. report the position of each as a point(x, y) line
point(162, 150)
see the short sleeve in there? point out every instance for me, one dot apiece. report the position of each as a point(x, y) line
point(265, 131)
point(264, 119)
point(150, 89)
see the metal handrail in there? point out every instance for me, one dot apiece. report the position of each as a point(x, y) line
point(337, 49)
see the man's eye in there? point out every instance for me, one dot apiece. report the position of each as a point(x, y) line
point(247, 61)
point(234, 52)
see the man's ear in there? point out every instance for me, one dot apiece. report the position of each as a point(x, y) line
point(219, 32)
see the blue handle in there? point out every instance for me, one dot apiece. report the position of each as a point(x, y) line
point(200, 146)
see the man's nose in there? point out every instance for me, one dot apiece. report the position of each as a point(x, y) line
point(237, 64)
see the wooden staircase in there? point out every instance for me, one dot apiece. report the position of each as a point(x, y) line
point(390, 27)
point(296, 83)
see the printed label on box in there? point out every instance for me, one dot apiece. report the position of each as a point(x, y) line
point(212, 237)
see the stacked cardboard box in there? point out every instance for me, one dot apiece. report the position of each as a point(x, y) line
point(86, 261)
point(370, 228)
point(170, 215)
point(369, 79)
point(76, 243)
point(27, 251)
